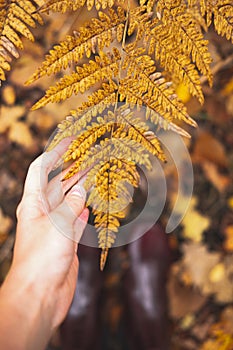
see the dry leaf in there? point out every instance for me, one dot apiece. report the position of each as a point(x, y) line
point(228, 88)
point(194, 223)
point(228, 244)
point(187, 321)
point(9, 115)
point(217, 273)
point(222, 337)
point(208, 272)
point(41, 119)
point(6, 222)
point(227, 319)
point(5, 226)
point(210, 345)
point(183, 299)
point(21, 134)
point(216, 109)
point(208, 148)
point(221, 182)
point(8, 95)
point(199, 262)
point(230, 202)
point(229, 105)
point(25, 67)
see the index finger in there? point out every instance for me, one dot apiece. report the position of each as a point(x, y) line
point(37, 177)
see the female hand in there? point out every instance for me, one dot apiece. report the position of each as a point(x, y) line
point(39, 288)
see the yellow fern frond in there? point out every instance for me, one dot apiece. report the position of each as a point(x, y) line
point(113, 196)
point(194, 11)
point(107, 199)
point(150, 89)
point(134, 143)
point(186, 33)
point(61, 5)
point(78, 119)
point(206, 7)
point(88, 137)
point(192, 3)
point(91, 38)
point(223, 18)
point(127, 148)
point(138, 131)
point(165, 124)
point(174, 61)
point(89, 159)
point(137, 23)
point(112, 172)
point(122, 147)
point(106, 232)
point(105, 66)
point(109, 181)
point(15, 18)
point(220, 12)
point(149, 4)
point(73, 5)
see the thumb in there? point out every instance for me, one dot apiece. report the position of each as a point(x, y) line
point(75, 199)
point(66, 213)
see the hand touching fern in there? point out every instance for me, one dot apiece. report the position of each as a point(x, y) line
point(116, 55)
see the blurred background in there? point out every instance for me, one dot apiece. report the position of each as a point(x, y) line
point(163, 291)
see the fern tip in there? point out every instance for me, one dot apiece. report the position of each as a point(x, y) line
point(191, 122)
point(103, 258)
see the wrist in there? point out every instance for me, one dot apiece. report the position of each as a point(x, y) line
point(26, 310)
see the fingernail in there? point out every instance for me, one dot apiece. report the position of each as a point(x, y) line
point(79, 191)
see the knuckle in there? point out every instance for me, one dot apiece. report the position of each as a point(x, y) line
point(35, 165)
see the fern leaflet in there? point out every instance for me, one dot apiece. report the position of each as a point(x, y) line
point(15, 18)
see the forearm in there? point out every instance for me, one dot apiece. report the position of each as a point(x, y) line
point(24, 317)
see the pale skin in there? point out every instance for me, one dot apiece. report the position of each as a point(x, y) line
point(38, 290)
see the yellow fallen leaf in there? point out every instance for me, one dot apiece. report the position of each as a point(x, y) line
point(228, 244)
point(41, 119)
point(217, 273)
point(8, 95)
point(194, 223)
point(20, 133)
point(230, 202)
point(183, 300)
point(210, 345)
point(183, 93)
point(228, 88)
point(6, 224)
point(211, 273)
point(9, 115)
point(198, 262)
point(187, 321)
point(220, 181)
point(208, 148)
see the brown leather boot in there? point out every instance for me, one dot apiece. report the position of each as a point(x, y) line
point(81, 329)
point(143, 325)
point(145, 291)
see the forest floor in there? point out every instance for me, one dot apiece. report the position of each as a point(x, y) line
point(200, 281)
